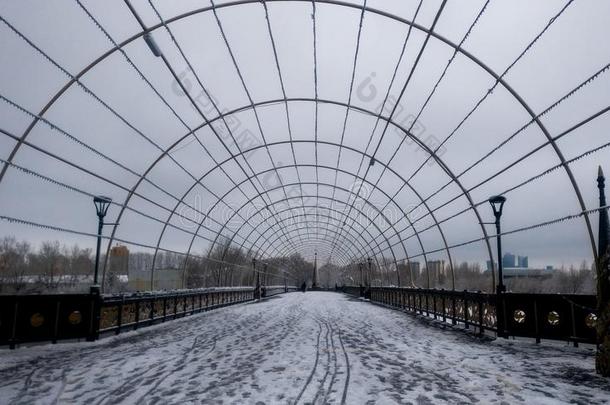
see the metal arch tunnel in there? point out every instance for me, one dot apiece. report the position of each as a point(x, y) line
point(278, 237)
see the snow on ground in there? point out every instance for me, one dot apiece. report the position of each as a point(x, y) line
point(300, 348)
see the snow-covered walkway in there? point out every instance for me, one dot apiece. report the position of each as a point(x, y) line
point(300, 348)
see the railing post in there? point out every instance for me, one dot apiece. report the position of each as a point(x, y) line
point(137, 314)
point(56, 323)
point(536, 322)
point(573, 318)
point(501, 314)
point(119, 321)
point(453, 308)
point(465, 299)
point(443, 303)
point(96, 307)
point(481, 330)
point(152, 310)
point(427, 292)
point(13, 338)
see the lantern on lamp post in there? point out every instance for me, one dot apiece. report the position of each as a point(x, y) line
point(102, 204)
point(497, 204)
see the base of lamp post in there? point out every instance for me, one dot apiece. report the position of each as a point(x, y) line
point(94, 325)
point(500, 312)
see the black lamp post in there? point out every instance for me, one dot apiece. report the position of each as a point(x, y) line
point(361, 279)
point(101, 206)
point(257, 280)
point(497, 203)
point(370, 262)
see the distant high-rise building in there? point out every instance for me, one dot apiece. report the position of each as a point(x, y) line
point(522, 261)
point(119, 260)
point(437, 270)
point(413, 268)
point(508, 260)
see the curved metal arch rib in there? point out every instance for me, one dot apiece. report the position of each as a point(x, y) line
point(315, 244)
point(346, 262)
point(355, 246)
point(301, 247)
point(360, 152)
point(320, 215)
point(266, 240)
point(337, 3)
point(365, 229)
point(381, 234)
point(461, 50)
point(286, 249)
point(254, 243)
point(237, 231)
point(309, 246)
point(360, 109)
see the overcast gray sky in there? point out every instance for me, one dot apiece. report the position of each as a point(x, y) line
point(128, 109)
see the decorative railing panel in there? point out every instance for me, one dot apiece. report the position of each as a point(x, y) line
point(278, 289)
point(541, 316)
point(31, 318)
point(152, 309)
point(551, 316)
point(351, 290)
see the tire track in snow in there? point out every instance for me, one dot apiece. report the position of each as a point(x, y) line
point(271, 323)
point(345, 388)
point(336, 369)
point(315, 365)
point(328, 357)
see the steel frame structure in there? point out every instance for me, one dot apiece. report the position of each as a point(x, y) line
point(277, 238)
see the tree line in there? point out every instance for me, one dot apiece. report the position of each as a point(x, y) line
point(56, 267)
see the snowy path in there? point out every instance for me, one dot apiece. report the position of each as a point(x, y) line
point(305, 348)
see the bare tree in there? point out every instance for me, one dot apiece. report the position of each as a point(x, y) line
point(13, 263)
point(50, 262)
point(78, 263)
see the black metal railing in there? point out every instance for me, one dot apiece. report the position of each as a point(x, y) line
point(53, 317)
point(269, 291)
point(119, 313)
point(33, 318)
point(352, 290)
point(568, 317)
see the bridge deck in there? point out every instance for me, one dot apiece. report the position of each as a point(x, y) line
point(307, 348)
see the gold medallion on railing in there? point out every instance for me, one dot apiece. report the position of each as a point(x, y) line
point(36, 320)
point(519, 316)
point(553, 318)
point(75, 318)
point(591, 320)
